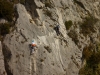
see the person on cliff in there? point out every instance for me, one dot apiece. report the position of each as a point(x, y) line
point(57, 29)
point(33, 46)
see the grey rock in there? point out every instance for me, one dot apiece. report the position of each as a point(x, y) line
point(63, 56)
point(2, 64)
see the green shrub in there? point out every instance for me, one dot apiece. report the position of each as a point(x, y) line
point(88, 25)
point(68, 24)
point(6, 10)
point(4, 28)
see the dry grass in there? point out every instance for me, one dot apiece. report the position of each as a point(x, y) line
point(87, 26)
point(92, 66)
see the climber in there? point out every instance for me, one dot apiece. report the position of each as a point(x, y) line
point(57, 29)
point(33, 47)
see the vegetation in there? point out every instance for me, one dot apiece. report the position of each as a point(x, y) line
point(6, 10)
point(87, 53)
point(4, 28)
point(74, 36)
point(7, 13)
point(68, 24)
point(15, 1)
point(18, 1)
point(88, 25)
point(92, 66)
point(22, 1)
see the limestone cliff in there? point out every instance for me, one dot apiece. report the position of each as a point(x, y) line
point(55, 55)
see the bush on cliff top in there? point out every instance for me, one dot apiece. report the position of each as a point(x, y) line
point(4, 28)
point(6, 10)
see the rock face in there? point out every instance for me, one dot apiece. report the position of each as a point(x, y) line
point(54, 55)
point(2, 66)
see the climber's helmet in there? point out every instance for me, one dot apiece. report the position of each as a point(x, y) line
point(32, 40)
